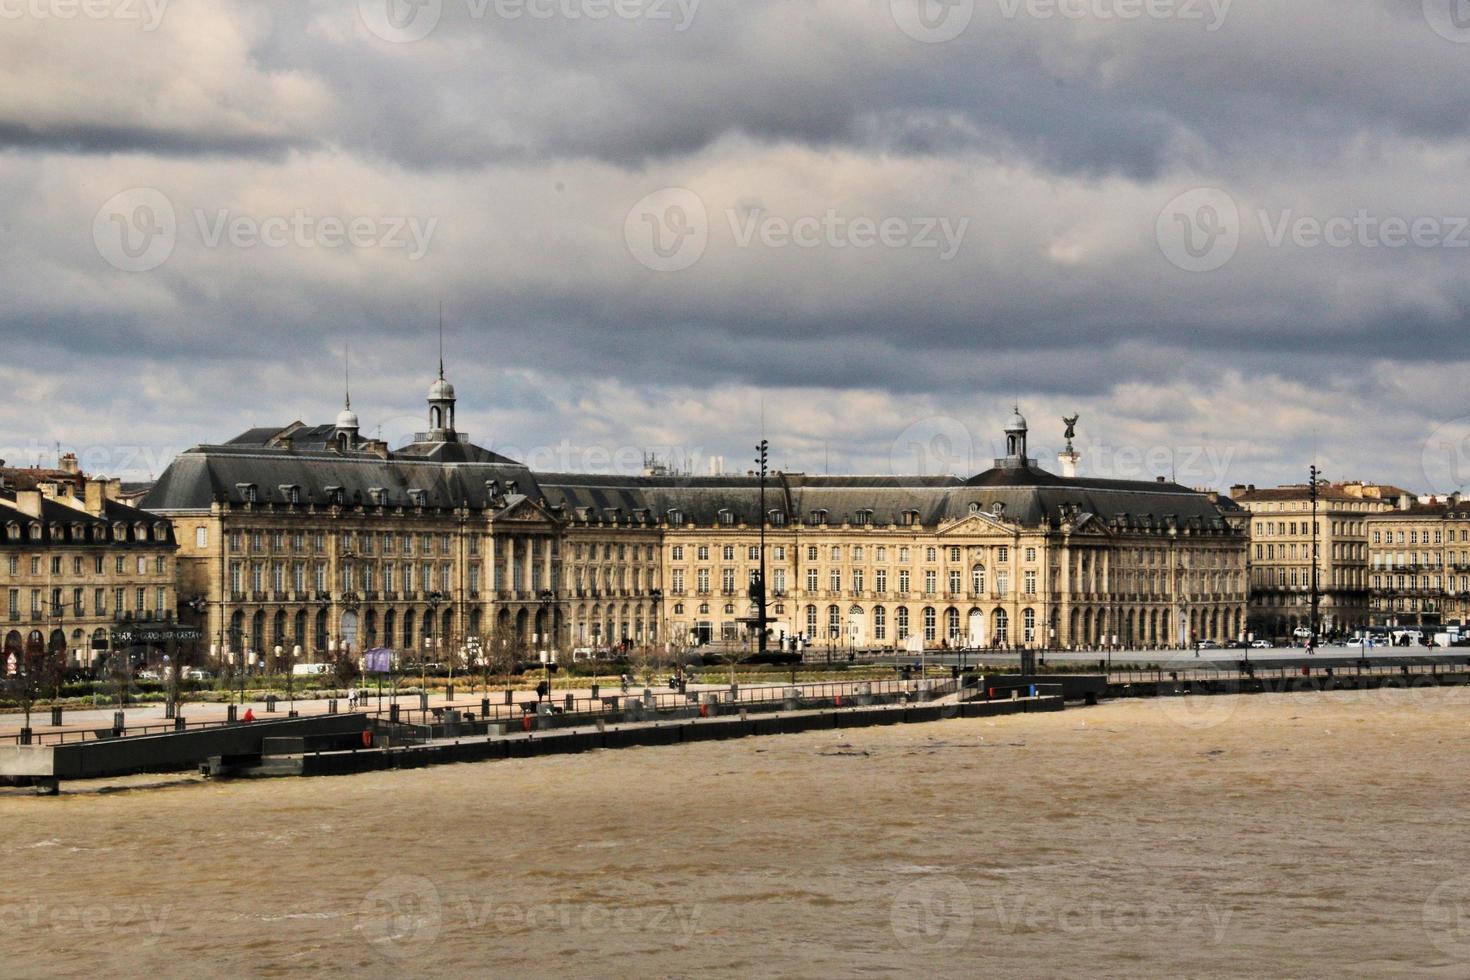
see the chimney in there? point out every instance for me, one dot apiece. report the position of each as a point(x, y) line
point(95, 497)
point(70, 465)
point(28, 502)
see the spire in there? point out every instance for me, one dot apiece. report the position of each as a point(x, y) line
point(441, 395)
point(347, 423)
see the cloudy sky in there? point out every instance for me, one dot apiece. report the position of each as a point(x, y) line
point(1229, 234)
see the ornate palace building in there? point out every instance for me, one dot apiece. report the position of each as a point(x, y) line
point(315, 535)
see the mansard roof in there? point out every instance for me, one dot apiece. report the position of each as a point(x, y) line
point(62, 524)
point(455, 473)
point(201, 476)
point(1028, 496)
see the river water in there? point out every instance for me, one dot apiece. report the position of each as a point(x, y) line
point(1307, 835)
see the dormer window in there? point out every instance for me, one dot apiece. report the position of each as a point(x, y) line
point(119, 532)
point(863, 518)
point(819, 518)
point(378, 495)
point(334, 495)
point(36, 532)
point(290, 493)
point(160, 531)
point(676, 518)
point(909, 518)
point(12, 531)
point(492, 489)
point(418, 497)
point(247, 492)
point(727, 518)
point(777, 518)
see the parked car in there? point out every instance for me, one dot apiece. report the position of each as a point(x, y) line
point(198, 674)
point(1209, 644)
point(1262, 645)
point(149, 675)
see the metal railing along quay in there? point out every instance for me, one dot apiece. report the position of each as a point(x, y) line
point(757, 698)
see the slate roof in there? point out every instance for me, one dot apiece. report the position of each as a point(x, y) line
point(456, 473)
point(62, 524)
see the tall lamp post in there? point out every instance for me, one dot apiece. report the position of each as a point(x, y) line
point(548, 599)
point(1316, 584)
point(762, 459)
point(435, 599)
point(237, 646)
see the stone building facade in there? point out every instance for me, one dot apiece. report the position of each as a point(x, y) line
point(1281, 553)
point(1419, 565)
point(314, 536)
point(75, 564)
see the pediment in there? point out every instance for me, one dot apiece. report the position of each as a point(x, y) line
point(523, 511)
point(978, 525)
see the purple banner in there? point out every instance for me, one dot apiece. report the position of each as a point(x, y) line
point(378, 661)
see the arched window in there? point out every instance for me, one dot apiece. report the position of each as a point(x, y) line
point(977, 580)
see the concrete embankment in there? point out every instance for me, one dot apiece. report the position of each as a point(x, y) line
point(651, 733)
point(1318, 682)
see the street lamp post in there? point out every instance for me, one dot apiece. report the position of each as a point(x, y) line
point(435, 599)
point(548, 599)
point(1316, 585)
point(237, 659)
point(762, 459)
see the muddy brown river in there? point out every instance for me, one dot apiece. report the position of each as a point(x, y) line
point(1307, 835)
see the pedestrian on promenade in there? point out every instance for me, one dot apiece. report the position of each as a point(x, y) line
point(249, 715)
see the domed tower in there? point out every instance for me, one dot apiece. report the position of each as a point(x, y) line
point(1015, 457)
point(441, 408)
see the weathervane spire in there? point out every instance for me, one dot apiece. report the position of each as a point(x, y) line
point(441, 340)
point(347, 373)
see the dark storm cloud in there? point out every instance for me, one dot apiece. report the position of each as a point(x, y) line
point(1059, 142)
point(88, 138)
